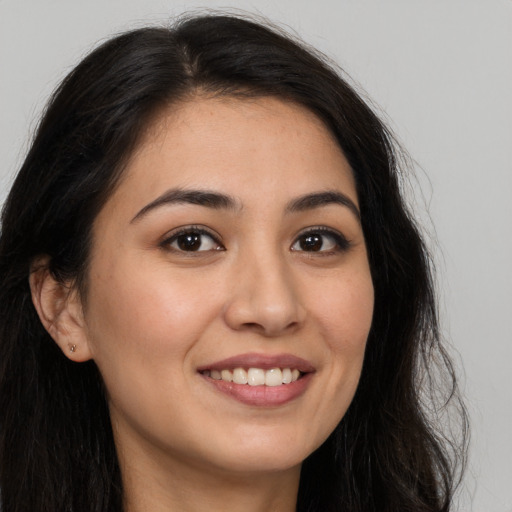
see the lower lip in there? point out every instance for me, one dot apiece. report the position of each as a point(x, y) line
point(262, 396)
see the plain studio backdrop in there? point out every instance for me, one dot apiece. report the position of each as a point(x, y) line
point(442, 72)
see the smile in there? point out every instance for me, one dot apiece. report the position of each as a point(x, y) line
point(261, 380)
point(255, 376)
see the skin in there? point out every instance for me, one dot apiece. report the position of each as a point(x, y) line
point(155, 313)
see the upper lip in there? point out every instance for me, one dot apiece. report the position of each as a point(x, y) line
point(263, 361)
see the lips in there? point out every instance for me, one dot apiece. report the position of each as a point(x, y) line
point(264, 361)
point(260, 379)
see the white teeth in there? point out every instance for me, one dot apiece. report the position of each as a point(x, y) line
point(226, 375)
point(239, 376)
point(273, 377)
point(256, 376)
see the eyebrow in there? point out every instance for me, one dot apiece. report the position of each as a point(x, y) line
point(205, 198)
point(319, 199)
point(219, 201)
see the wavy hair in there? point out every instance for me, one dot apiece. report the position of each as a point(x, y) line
point(56, 445)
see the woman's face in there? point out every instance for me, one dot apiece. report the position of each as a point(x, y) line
point(231, 249)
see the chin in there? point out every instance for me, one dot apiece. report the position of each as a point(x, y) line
point(260, 454)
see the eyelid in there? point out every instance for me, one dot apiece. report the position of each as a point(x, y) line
point(342, 242)
point(172, 235)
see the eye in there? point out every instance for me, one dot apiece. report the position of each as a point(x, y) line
point(192, 239)
point(321, 240)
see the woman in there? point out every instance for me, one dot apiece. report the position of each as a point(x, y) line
point(213, 296)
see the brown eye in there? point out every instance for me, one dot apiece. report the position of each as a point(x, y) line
point(193, 241)
point(190, 242)
point(321, 240)
point(311, 243)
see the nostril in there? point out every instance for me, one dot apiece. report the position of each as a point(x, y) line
point(252, 325)
point(269, 328)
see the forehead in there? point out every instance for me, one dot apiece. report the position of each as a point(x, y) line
point(248, 148)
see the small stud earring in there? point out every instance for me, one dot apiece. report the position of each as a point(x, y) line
point(72, 348)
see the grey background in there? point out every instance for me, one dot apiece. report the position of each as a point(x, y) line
point(442, 71)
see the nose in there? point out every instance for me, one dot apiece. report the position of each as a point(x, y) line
point(264, 297)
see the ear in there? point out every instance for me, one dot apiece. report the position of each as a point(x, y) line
point(60, 311)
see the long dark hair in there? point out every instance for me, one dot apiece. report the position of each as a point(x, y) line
point(56, 446)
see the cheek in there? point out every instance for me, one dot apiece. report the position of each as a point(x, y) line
point(149, 319)
point(345, 313)
point(142, 314)
point(142, 326)
point(342, 308)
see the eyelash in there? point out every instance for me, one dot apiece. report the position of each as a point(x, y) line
point(190, 230)
point(341, 243)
